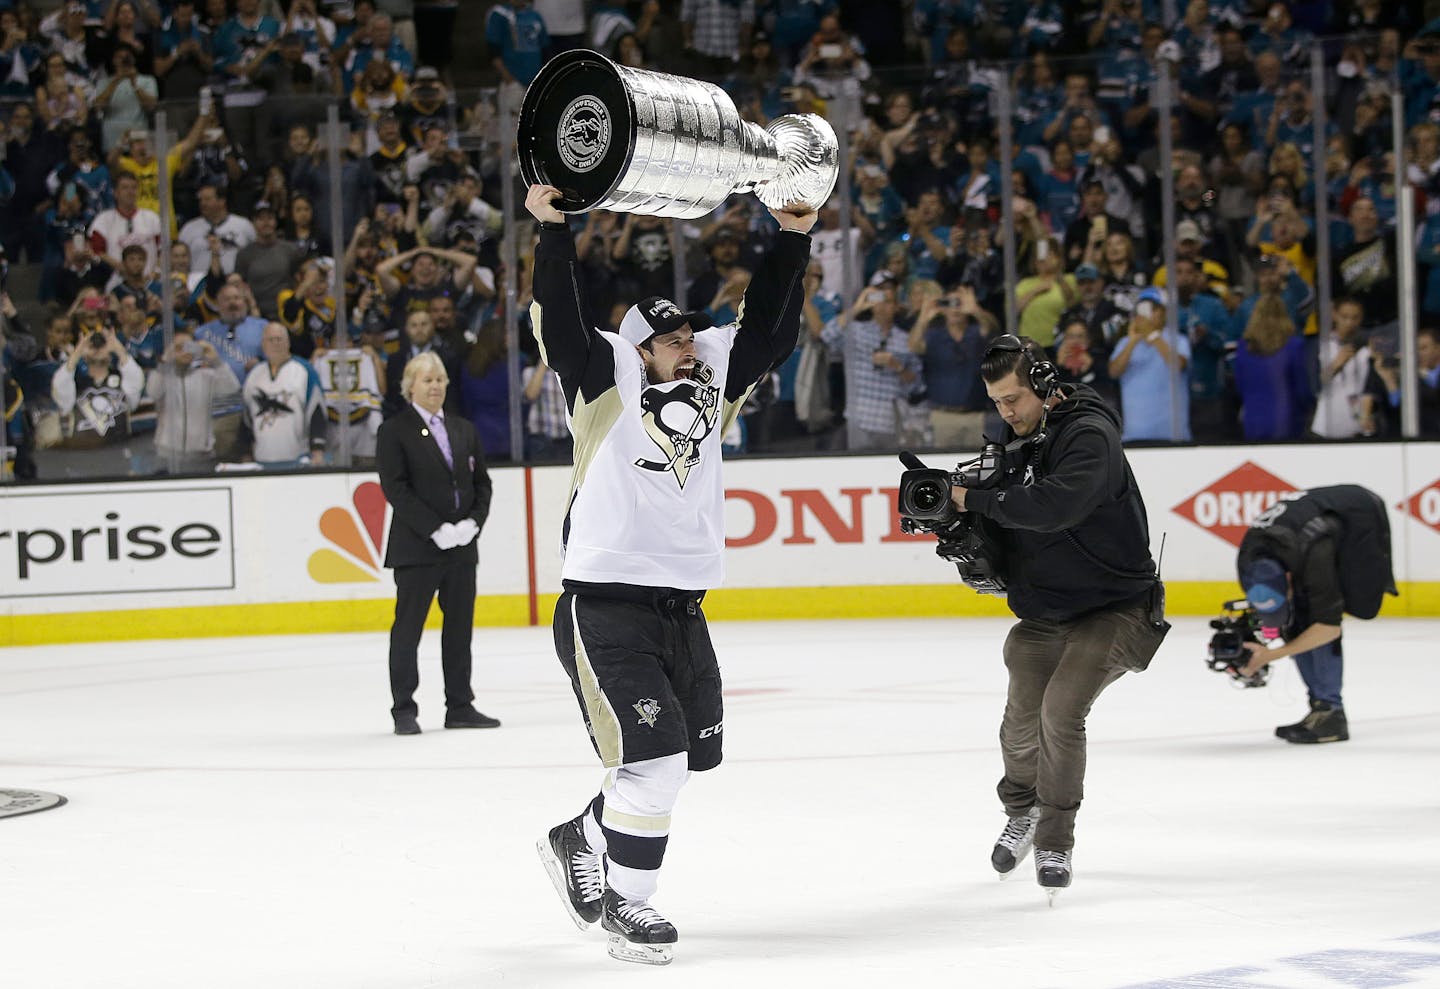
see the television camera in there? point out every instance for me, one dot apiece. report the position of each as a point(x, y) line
point(966, 540)
point(1240, 624)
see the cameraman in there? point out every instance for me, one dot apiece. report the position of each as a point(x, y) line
point(1303, 564)
point(1081, 581)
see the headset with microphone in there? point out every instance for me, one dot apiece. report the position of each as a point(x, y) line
point(1042, 374)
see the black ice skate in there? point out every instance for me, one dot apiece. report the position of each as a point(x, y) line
point(576, 871)
point(1324, 723)
point(1014, 842)
point(637, 931)
point(1052, 871)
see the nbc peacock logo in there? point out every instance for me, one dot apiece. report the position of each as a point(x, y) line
point(356, 540)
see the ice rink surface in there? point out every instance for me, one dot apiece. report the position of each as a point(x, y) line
point(241, 816)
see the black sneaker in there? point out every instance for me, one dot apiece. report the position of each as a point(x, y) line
point(576, 871)
point(1014, 842)
point(1324, 723)
point(468, 717)
point(637, 931)
point(405, 724)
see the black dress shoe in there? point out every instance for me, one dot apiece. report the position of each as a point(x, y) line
point(468, 717)
point(405, 724)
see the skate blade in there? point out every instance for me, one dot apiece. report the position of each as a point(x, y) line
point(1051, 894)
point(644, 954)
point(556, 872)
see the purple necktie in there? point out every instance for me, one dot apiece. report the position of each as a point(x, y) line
point(437, 425)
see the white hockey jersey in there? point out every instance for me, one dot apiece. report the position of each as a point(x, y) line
point(348, 378)
point(647, 497)
point(647, 501)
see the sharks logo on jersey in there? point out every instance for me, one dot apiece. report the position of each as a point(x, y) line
point(678, 417)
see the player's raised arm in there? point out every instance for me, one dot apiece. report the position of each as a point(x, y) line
point(769, 316)
point(557, 314)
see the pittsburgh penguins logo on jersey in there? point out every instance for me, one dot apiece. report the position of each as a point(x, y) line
point(678, 416)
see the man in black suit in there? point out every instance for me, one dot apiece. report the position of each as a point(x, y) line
point(433, 474)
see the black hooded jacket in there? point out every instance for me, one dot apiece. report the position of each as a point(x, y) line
point(1077, 538)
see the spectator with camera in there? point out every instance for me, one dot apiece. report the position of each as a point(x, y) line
point(1085, 236)
point(880, 370)
point(1078, 575)
point(1082, 358)
point(191, 378)
point(125, 98)
point(463, 211)
point(96, 389)
point(1150, 373)
point(1304, 564)
point(950, 335)
point(1383, 409)
point(1340, 408)
point(1042, 297)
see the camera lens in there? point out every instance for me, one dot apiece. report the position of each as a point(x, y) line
point(97, 340)
point(927, 496)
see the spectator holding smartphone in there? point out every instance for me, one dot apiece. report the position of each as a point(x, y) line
point(190, 379)
point(97, 387)
point(1142, 363)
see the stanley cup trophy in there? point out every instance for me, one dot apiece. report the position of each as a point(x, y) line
point(612, 137)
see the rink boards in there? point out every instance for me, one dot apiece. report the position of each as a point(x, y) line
point(808, 538)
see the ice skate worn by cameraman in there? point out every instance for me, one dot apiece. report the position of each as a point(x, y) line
point(1079, 577)
point(643, 539)
point(1304, 563)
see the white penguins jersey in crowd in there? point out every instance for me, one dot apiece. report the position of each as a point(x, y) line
point(647, 499)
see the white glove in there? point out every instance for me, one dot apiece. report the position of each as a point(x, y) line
point(465, 531)
point(446, 536)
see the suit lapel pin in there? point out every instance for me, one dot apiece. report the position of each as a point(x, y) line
point(424, 432)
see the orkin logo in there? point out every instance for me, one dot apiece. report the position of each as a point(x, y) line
point(1227, 507)
point(356, 539)
point(1424, 505)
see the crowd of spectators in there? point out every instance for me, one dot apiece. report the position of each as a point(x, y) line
point(275, 360)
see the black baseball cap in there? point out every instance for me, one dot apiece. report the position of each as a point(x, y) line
point(656, 315)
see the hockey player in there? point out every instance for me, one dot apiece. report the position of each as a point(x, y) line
point(643, 540)
point(1303, 564)
point(1079, 578)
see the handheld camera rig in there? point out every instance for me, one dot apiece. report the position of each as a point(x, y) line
point(1239, 625)
point(966, 540)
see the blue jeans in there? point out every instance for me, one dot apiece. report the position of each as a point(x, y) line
point(1322, 670)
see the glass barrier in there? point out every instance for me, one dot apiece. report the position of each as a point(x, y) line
point(1227, 243)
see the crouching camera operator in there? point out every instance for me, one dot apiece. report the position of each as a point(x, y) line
point(1072, 540)
point(1303, 564)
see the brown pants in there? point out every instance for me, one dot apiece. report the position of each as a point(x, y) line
point(1057, 669)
